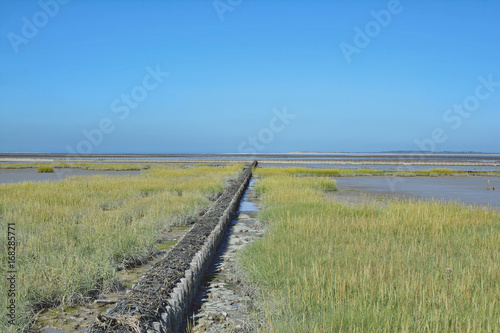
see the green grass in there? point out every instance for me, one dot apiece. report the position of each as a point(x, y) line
point(330, 172)
point(325, 266)
point(73, 235)
point(45, 169)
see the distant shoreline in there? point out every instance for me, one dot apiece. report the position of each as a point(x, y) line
point(357, 161)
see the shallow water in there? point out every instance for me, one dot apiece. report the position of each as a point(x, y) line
point(468, 190)
point(221, 303)
point(248, 206)
point(30, 174)
point(385, 167)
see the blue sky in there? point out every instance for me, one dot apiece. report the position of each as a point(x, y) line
point(249, 76)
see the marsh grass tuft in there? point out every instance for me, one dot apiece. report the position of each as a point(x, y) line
point(45, 169)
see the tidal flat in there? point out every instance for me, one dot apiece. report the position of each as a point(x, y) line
point(31, 174)
point(449, 213)
point(467, 190)
point(401, 266)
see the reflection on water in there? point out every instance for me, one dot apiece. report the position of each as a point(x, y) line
point(468, 190)
point(246, 204)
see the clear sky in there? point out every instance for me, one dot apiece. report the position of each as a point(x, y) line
point(249, 76)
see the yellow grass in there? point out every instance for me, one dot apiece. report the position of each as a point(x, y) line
point(45, 169)
point(74, 234)
point(326, 266)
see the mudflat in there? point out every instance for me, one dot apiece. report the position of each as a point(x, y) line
point(467, 190)
point(31, 174)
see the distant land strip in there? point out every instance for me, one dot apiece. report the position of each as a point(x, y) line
point(358, 161)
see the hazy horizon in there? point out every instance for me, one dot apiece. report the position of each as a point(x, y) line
point(272, 153)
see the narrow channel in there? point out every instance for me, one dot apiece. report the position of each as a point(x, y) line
point(222, 303)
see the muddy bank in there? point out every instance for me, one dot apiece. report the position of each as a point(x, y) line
point(31, 174)
point(161, 299)
point(76, 319)
point(225, 301)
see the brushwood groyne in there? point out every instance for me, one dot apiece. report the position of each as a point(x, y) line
point(161, 299)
